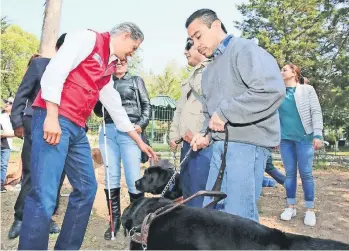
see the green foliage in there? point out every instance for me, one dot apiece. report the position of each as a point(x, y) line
point(312, 34)
point(331, 138)
point(168, 83)
point(4, 24)
point(17, 46)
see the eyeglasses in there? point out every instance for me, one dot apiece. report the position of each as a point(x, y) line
point(189, 44)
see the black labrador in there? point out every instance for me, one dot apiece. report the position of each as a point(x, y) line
point(155, 179)
point(187, 228)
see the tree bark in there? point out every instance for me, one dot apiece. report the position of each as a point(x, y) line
point(50, 28)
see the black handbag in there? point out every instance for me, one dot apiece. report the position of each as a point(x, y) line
point(144, 156)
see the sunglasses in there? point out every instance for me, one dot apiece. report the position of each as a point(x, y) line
point(189, 44)
point(120, 63)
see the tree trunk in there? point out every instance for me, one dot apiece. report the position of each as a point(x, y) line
point(50, 28)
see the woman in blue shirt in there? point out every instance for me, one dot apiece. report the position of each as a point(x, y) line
point(301, 134)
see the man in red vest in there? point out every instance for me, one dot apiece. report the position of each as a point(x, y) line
point(76, 77)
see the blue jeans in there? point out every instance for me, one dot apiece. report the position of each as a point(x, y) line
point(243, 177)
point(268, 182)
point(5, 156)
point(73, 154)
point(299, 153)
point(273, 172)
point(121, 146)
point(194, 173)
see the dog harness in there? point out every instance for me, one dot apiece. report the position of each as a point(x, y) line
point(142, 236)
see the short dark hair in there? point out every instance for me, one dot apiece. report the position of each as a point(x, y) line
point(60, 41)
point(207, 16)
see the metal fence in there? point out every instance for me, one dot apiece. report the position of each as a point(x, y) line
point(157, 129)
point(158, 135)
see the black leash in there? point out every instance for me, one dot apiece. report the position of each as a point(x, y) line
point(218, 184)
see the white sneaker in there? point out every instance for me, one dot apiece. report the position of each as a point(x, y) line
point(310, 218)
point(288, 214)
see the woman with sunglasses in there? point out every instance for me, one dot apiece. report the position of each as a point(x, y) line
point(120, 146)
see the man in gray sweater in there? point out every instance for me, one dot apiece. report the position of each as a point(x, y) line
point(242, 88)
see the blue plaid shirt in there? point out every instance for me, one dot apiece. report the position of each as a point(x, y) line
point(221, 47)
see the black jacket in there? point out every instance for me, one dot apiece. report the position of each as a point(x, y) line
point(27, 91)
point(128, 87)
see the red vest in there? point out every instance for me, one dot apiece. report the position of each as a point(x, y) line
point(81, 88)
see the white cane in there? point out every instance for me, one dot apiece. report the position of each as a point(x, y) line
point(107, 171)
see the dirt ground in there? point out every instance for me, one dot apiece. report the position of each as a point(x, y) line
point(332, 202)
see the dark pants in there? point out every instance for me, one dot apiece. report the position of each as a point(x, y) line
point(73, 154)
point(26, 159)
point(194, 173)
point(273, 172)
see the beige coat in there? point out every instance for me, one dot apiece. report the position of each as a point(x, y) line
point(188, 114)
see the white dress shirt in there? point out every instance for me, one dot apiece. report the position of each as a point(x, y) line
point(76, 47)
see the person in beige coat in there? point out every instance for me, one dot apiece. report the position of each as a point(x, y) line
point(187, 121)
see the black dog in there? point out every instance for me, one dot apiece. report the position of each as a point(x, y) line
point(187, 228)
point(155, 179)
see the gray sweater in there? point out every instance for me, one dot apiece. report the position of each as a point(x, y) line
point(244, 85)
point(309, 109)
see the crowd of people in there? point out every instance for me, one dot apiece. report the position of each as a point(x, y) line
point(235, 92)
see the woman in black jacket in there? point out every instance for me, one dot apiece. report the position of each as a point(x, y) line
point(120, 146)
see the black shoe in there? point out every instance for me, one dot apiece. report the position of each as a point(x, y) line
point(3, 189)
point(15, 229)
point(135, 196)
point(54, 228)
point(115, 207)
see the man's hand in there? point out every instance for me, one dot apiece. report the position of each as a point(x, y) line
point(188, 136)
point(173, 145)
point(216, 124)
point(317, 144)
point(199, 142)
point(138, 129)
point(19, 132)
point(52, 129)
point(148, 150)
